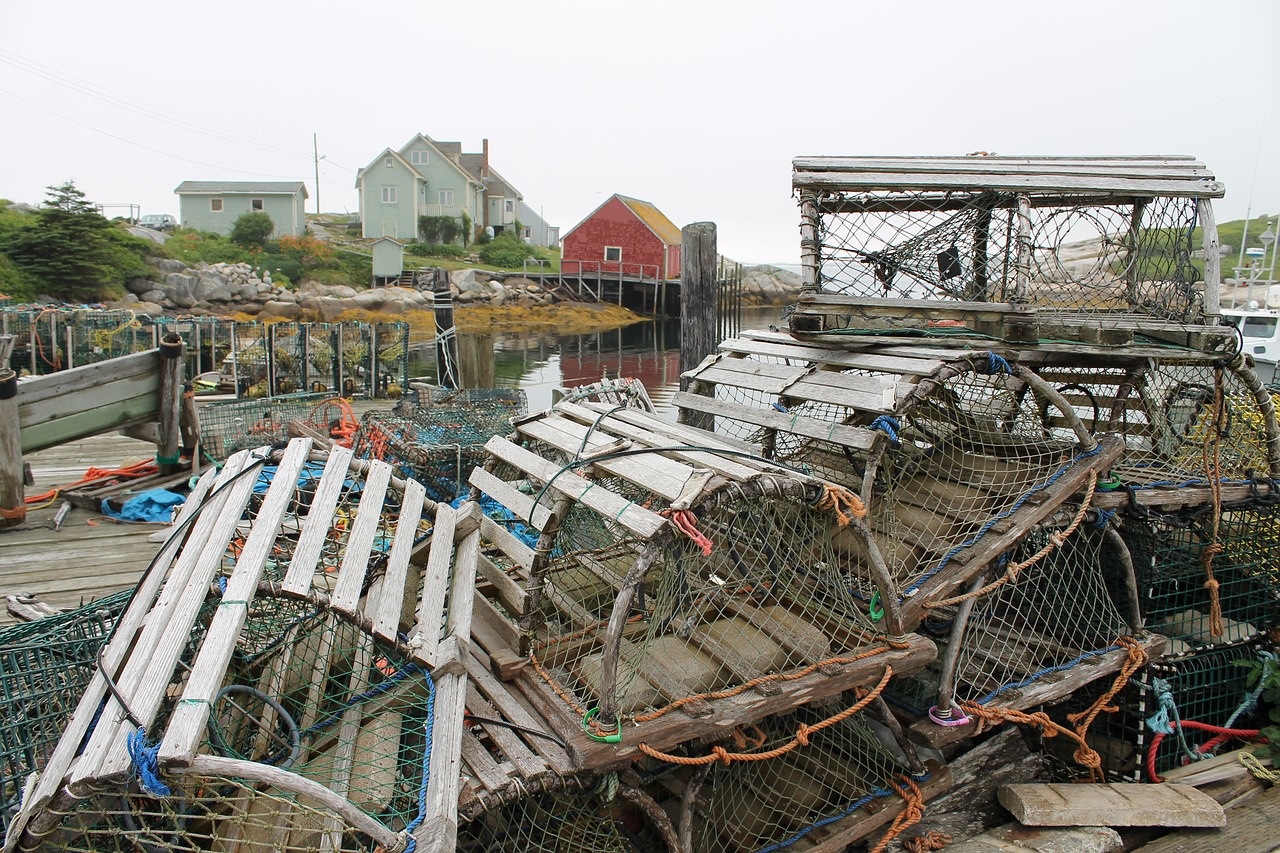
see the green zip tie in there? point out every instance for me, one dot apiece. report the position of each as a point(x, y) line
point(876, 610)
point(616, 737)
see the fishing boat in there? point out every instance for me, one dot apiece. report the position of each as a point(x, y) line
point(1259, 328)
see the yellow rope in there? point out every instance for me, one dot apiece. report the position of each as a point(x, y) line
point(1259, 770)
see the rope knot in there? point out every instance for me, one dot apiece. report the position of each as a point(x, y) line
point(888, 425)
point(838, 499)
point(722, 755)
point(802, 734)
point(686, 522)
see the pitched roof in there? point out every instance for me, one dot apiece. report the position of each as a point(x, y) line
point(473, 163)
point(657, 221)
point(262, 187)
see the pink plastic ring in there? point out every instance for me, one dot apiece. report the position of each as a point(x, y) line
point(957, 718)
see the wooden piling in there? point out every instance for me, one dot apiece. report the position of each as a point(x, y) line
point(170, 433)
point(697, 303)
point(13, 507)
point(447, 374)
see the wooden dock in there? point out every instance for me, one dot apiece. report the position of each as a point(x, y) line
point(90, 556)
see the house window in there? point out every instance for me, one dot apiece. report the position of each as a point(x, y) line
point(387, 162)
point(419, 158)
point(446, 198)
point(255, 204)
point(511, 206)
point(528, 232)
point(215, 204)
point(388, 195)
point(613, 253)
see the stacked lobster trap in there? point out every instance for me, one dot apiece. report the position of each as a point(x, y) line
point(287, 676)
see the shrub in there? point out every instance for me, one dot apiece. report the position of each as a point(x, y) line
point(192, 247)
point(436, 250)
point(252, 229)
point(13, 283)
point(438, 229)
point(309, 252)
point(506, 250)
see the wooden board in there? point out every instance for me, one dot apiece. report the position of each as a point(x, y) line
point(1251, 828)
point(1069, 804)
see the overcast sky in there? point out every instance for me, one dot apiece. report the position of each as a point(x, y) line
point(697, 106)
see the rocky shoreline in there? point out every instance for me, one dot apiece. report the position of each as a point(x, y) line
point(239, 289)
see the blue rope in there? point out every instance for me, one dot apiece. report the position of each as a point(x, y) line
point(146, 764)
point(1035, 676)
point(888, 425)
point(377, 690)
point(1166, 721)
point(426, 765)
point(1104, 518)
point(1017, 505)
point(780, 408)
point(996, 364)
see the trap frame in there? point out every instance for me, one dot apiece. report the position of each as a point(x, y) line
point(299, 654)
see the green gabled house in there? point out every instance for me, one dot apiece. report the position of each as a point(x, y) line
point(426, 177)
point(215, 205)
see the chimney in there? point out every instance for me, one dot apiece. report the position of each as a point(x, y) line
point(484, 162)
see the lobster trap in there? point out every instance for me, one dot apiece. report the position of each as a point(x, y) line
point(840, 786)
point(439, 444)
point(299, 670)
point(44, 667)
point(678, 584)
point(1091, 250)
point(956, 454)
point(232, 426)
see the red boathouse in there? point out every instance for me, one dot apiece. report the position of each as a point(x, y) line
point(623, 235)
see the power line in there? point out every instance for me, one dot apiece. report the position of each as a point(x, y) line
point(139, 144)
point(134, 105)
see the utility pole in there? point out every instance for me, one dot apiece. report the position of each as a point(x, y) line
point(315, 153)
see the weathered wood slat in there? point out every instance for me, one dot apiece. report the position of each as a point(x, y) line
point(146, 676)
point(490, 628)
point(389, 606)
point(440, 831)
point(360, 540)
point(636, 519)
point(1132, 804)
point(462, 589)
point(512, 595)
point(798, 351)
point(428, 631)
point(480, 765)
point(187, 723)
point(90, 376)
point(520, 553)
point(520, 504)
point(849, 436)
point(1156, 167)
point(315, 530)
point(511, 709)
point(1015, 182)
point(524, 759)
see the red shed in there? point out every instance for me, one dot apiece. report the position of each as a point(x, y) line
point(623, 235)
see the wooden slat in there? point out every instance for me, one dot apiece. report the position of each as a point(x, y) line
point(90, 376)
point(654, 472)
point(440, 830)
point(1023, 183)
point(315, 530)
point(638, 520)
point(855, 437)
point(125, 629)
point(512, 595)
point(1157, 167)
point(187, 723)
point(520, 553)
point(525, 760)
point(390, 605)
point(149, 671)
point(481, 766)
point(512, 710)
point(462, 590)
point(798, 351)
point(1132, 804)
point(435, 583)
point(490, 628)
point(504, 493)
point(355, 561)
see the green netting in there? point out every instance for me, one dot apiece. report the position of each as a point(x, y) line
point(44, 667)
point(231, 426)
point(437, 445)
point(1169, 554)
point(813, 794)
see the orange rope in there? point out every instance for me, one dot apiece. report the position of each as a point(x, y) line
point(144, 468)
point(1085, 755)
point(1137, 659)
point(686, 522)
point(342, 429)
point(906, 818)
point(724, 756)
point(1213, 466)
point(929, 841)
point(835, 497)
point(1056, 540)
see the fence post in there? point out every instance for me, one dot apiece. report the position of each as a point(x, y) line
point(697, 305)
point(13, 506)
point(446, 334)
point(171, 370)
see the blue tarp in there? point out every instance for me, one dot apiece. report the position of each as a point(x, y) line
point(155, 505)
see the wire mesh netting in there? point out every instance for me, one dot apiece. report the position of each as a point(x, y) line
point(1174, 555)
point(240, 425)
point(597, 817)
point(439, 444)
point(811, 794)
point(1088, 255)
point(1058, 614)
point(44, 667)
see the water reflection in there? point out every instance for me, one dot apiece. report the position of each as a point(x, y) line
point(541, 363)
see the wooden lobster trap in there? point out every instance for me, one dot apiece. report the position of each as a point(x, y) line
point(288, 674)
point(1049, 251)
point(679, 584)
point(956, 453)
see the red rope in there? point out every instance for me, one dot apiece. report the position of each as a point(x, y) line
point(1221, 735)
point(686, 522)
